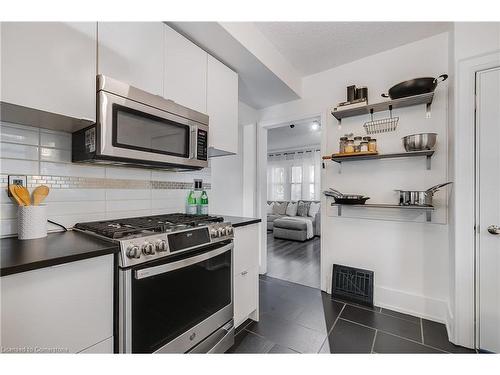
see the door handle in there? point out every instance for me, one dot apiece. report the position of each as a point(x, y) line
point(494, 229)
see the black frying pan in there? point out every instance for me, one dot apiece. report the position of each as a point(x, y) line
point(415, 86)
point(346, 198)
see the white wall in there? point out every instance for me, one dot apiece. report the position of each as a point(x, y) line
point(248, 120)
point(410, 259)
point(229, 194)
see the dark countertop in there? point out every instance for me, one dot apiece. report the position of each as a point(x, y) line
point(57, 248)
point(237, 221)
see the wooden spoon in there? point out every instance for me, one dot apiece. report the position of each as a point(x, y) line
point(23, 194)
point(39, 194)
point(12, 189)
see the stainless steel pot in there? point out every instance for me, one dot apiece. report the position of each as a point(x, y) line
point(418, 197)
point(419, 142)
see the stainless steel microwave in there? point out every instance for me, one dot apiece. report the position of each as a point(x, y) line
point(139, 129)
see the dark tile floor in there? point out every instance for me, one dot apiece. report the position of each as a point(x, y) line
point(294, 261)
point(299, 319)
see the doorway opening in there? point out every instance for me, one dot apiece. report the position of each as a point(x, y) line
point(293, 202)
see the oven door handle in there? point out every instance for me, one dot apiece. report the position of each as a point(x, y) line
point(156, 270)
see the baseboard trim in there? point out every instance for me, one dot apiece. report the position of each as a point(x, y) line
point(413, 304)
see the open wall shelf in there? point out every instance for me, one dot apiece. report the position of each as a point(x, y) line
point(342, 159)
point(384, 106)
point(428, 209)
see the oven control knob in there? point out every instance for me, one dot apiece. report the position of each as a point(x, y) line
point(133, 251)
point(148, 248)
point(214, 233)
point(161, 245)
point(229, 230)
point(222, 232)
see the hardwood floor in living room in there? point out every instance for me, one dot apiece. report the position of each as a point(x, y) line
point(297, 262)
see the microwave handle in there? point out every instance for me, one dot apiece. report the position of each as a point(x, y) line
point(192, 142)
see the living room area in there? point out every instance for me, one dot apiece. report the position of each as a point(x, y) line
point(293, 202)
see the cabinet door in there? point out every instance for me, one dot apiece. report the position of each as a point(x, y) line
point(67, 307)
point(50, 66)
point(132, 52)
point(245, 295)
point(246, 247)
point(246, 277)
point(222, 106)
point(185, 71)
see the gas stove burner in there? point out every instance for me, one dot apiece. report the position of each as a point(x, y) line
point(123, 228)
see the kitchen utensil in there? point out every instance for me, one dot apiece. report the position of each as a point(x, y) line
point(419, 142)
point(346, 198)
point(381, 126)
point(419, 197)
point(415, 86)
point(23, 194)
point(39, 194)
point(13, 192)
point(362, 93)
point(31, 222)
point(351, 93)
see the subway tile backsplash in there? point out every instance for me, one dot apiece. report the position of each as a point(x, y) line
point(84, 192)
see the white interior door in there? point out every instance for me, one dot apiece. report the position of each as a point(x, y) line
point(488, 207)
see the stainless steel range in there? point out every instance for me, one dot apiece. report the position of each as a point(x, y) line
point(175, 282)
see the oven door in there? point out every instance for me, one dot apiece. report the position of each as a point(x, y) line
point(174, 306)
point(129, 130)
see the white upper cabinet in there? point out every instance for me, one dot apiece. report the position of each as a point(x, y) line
point(50, 66)
point(185, 71)
point(132, 52)
point(222, 106)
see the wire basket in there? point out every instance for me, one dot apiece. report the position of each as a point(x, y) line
point(383, 125)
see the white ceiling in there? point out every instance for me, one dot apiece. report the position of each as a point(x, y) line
point(312, 47)
point(301, 136)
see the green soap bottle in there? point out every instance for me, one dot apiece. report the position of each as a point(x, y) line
point(203, 205)
point(191, 203)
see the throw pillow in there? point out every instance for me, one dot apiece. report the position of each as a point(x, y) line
point(270, 208)
point(291, 210)
point(303, 208)
point(313, 209)
point(279, 208)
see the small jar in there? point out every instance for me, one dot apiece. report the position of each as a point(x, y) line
point(357, 141)
point(372, 145)
point(342, 144)
point(357, 148)
point(349, 146)
point(367, 138)
point(363, 147)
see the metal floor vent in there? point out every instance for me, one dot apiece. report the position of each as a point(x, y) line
point(352, 284)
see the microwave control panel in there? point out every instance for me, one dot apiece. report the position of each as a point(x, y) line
point(202, 145)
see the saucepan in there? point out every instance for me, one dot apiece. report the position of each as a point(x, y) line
point(415, 86)
point(419, 197)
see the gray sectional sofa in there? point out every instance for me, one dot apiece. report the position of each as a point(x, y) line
point(291, 220)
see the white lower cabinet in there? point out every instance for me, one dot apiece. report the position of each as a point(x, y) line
point(66, 308)
point(246, 275)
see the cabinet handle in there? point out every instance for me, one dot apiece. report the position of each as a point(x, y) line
point(244, 273)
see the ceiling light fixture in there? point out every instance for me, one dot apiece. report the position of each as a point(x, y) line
point(315, 125)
